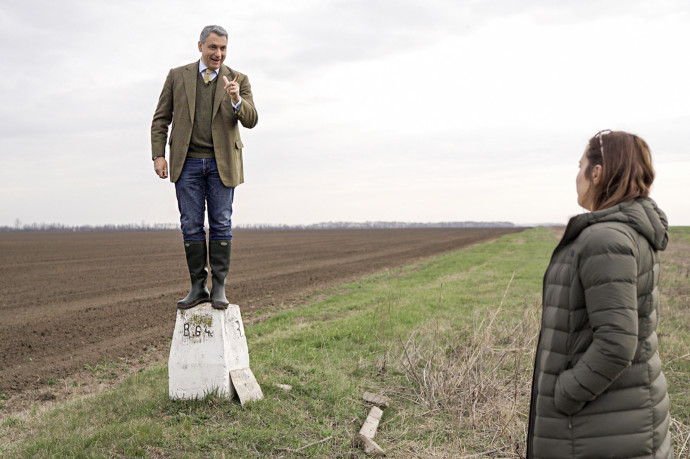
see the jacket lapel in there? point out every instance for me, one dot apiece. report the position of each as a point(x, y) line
point(190, 86)
point(220, 92)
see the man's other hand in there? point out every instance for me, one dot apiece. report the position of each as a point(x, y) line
point(160, 165)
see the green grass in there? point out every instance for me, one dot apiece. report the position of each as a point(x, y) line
point(674, 328)
point(423, 335)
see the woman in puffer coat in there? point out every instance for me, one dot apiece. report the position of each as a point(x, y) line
point(598, 390)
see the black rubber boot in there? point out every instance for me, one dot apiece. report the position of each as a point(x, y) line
point(219, 260)
point(196, 262)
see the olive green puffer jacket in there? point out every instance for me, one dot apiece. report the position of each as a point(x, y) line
point(598, 390)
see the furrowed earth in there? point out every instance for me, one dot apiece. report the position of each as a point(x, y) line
point(73, 301)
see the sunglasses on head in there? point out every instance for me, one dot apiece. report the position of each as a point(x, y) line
point(601, 134)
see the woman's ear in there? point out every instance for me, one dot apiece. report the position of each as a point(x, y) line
point(596, 174)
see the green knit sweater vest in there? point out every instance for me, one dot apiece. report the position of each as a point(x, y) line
point(201, 143)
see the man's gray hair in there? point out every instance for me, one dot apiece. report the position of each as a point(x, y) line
point(218, 30)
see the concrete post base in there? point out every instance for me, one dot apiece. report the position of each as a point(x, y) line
point(209, 354)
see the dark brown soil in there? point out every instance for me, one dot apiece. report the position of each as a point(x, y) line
point(70, 300)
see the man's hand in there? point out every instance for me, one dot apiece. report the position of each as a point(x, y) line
point(233, 88)
point(160, 165)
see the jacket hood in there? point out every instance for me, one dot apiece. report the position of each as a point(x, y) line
point(642, 214)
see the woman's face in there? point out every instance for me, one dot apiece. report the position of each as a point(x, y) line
point(582, 183)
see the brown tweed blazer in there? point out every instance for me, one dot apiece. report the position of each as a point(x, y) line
point(176, 105)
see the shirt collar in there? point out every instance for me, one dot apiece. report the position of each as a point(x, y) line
point(203, 67)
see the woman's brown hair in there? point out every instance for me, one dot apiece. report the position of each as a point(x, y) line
point(627, 171)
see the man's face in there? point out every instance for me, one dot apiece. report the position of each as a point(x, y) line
point(213, 51)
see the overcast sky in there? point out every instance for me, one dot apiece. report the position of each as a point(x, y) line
point(369, 110)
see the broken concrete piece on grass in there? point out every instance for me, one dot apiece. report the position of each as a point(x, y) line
point(285, 387)
point(368, 431)
point(245, 385)
point(375, 399)
point(370, 447)
point(371, 423)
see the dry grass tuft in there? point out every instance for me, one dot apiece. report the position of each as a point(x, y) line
point(674, 337)
point(480, 378)
point(681, 438)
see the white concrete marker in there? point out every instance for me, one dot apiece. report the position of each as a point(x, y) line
point(208, 344)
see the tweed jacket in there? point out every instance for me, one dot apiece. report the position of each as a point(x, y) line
point(598, 389)
point(176, 105)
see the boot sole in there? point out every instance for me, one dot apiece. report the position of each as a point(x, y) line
point(191, 305)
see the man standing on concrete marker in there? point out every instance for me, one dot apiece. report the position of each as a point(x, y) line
point(204, 101)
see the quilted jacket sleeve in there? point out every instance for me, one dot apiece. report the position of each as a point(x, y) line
point(608, 272)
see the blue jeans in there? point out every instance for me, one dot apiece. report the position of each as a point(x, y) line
point(199, 184)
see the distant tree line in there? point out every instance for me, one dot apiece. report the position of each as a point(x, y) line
point(143, 226)
point(108, 227)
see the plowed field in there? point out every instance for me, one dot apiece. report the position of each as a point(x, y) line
point(68, 300)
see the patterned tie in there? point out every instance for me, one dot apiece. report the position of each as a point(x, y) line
point(207, 75)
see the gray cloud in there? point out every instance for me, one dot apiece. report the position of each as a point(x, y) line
point(330, 33)
point(558, 12)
